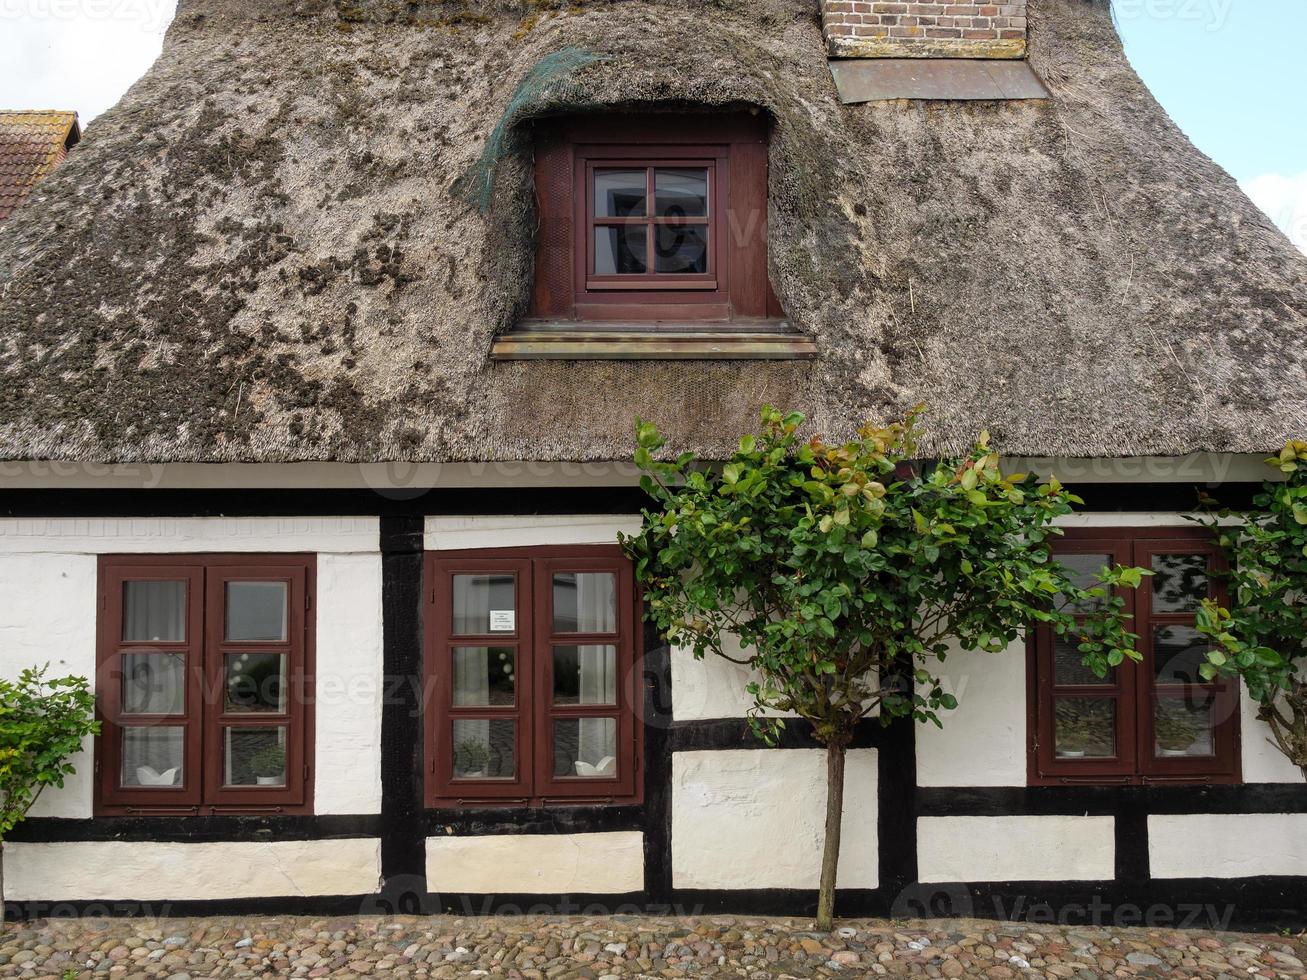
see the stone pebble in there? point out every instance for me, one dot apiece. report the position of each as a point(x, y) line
point(622, 947)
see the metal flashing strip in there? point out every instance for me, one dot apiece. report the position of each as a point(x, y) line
point(879, 79)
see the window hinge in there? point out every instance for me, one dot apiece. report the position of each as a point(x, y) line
point(97, 767)
point(306, 772)
point(308, 601)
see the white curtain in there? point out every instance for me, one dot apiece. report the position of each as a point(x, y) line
point(154, 612)
point(596, 610)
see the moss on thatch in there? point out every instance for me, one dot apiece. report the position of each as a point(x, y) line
point(259, 254)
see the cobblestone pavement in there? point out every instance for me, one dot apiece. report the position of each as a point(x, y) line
point(534, 947)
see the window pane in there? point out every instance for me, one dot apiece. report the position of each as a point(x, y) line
point(1085, 728)
point(484, 604)
point(585, 602)
point(621, 250)
point(1068, 666)
point(256, 612)
point(1083, 571)
point(585, 675)
point(255, 757)
point(1178, 652)
point(484, 748)
point(1183, 727)
point(682, 249)
point(620, 193)
point(255, 682)
point(585, 747)
point(1180, 582)
point(154, 612)
point(681, 192)
point(153, 756)
point(484, 676)
point(154, 683)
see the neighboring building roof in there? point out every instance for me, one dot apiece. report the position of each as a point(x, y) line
point(31, 145)
point(267, 253)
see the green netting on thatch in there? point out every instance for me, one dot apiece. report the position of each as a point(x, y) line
point(475, 185)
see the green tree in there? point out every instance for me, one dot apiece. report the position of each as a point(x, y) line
point(1262, 636)
point(43, 722)
point(846, 574)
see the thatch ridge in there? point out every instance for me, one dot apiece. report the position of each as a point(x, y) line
point(259, 255)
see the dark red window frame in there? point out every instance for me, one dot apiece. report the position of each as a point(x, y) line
point(732, 146)
point(534, 783)
point(1133, 686)
point(599, 157)
point(205, 716)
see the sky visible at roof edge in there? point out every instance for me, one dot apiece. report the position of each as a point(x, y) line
point(1230, 72)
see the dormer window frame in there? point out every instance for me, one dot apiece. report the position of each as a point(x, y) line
point(593, 160)
point(579, 310)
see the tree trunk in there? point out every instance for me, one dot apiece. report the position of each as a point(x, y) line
point(830, 858)
point(1290, 732)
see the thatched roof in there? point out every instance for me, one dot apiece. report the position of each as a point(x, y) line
point(260, 255)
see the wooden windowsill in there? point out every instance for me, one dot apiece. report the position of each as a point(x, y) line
point(537, 340)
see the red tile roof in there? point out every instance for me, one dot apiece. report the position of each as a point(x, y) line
point(31, 145)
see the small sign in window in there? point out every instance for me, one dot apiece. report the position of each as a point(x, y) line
point(503, 620)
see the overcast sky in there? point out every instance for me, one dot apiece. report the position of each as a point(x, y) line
point(1231, 72)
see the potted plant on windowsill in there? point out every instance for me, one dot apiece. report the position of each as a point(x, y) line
point(1073, 733)
point(471, 759)
point(1072, 747)
point(1175, 735)
point(269, 765)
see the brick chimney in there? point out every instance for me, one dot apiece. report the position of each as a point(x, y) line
point(883, 29)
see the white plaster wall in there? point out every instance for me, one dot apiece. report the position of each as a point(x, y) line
point(983, 741)
point(146, 872)
point(1019, 848)
point(347, 718)
point(712, 687)
point(456, 533)
point(754, 818)
point(1227, 845)
point(155, 535)
point(605, 864)
point(47, 615)
point(1127, 519)
point(1263, 762)
point(48, 578)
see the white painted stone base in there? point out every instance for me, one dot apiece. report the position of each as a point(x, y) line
point(601, 864)
point(1227, 845)
point(1019, 848)
point(154, 872)
point(755, 819)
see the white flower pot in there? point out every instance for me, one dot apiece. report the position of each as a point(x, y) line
point(267, 780)
point(147, 776)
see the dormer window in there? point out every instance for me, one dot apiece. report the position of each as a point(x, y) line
point(652, 241)
point(652, 226)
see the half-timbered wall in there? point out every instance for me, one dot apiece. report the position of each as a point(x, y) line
point(935, 821)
